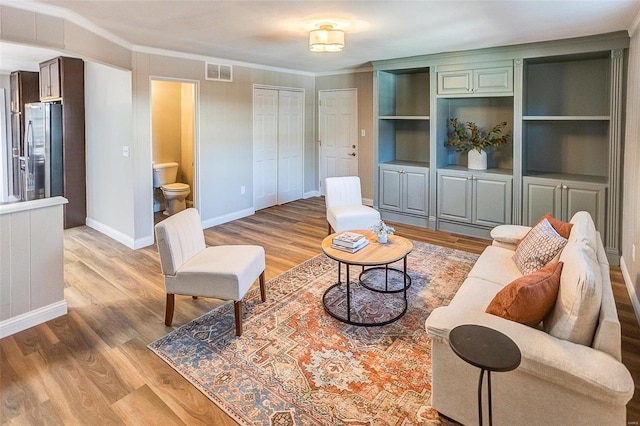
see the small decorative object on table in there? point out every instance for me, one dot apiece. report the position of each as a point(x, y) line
point(381, 229)
point(474, 142)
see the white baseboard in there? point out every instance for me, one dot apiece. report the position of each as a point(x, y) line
point(311, 194)
point(367, 202)
point(630, 288)
point(32, 318)
point(119, 236)
point(227, 218)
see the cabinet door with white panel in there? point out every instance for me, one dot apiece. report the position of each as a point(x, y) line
point(485, 79)
point(491, 202)
point(454, 196)
point(563, 198)
point(404, 188)
point(478, 198)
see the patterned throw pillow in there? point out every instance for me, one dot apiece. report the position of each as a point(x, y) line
point(562, 228)
point(538, 248)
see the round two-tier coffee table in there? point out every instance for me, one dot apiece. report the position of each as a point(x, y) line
point(377, 257)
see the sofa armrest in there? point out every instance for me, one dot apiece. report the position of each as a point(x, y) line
point(508, 236)
point(576, 367)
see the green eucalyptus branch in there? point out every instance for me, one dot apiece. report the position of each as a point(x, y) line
point(465, 137)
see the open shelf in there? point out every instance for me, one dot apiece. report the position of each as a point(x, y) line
point(486, 112)
point(575, 86)
point(566, 118)
point(404, 117)
point(567, 147)
point(403, 93)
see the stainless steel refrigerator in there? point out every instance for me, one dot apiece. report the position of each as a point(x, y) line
point(41, 166)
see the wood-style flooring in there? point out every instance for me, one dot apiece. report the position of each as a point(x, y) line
point(92, 366)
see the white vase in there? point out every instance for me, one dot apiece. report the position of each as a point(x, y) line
point(382, 238)
point(477, 160)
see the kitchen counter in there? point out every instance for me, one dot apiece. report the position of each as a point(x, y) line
point(31, 263)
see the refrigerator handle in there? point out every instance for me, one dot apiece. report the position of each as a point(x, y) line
point(28, 139)
point(30, 160)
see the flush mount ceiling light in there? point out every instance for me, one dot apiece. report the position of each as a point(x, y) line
point(326, 39)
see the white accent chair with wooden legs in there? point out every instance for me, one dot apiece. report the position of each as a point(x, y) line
point(345, 211)
point(193, 269)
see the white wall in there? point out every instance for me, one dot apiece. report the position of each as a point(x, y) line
point(224, 134)
point(631, 181)
point(5, 136)
point(109, 128)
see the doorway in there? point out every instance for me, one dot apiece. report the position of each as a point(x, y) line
point(278, 140)
point(338, 133)
point(174, 133)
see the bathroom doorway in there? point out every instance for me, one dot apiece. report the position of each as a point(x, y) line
point(174, 135)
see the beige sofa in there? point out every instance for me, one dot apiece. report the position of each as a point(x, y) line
point(558, 382)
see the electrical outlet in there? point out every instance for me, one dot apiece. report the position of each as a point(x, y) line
point(125, 151)
point(242, 190)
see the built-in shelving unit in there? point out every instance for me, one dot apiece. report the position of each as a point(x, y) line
point(566, 115)
point(404, 144)
point(563, 104)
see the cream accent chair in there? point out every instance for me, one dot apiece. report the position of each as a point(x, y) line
point(191, 268)
point(345, 211)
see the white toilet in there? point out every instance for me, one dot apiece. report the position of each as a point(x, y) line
point(164, 177)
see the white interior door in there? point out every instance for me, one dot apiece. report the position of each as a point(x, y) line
point(265, 148)
point(290, 141)
point(338, 133)
point(278, 137)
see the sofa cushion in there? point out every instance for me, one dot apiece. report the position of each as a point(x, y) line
point(509, 234)
point(538, 248)
point(584, 230)
point(575, 314)
point(495, 264)
point(474, 295)
point(528, 299)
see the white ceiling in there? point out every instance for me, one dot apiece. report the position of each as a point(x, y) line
point(275, 33)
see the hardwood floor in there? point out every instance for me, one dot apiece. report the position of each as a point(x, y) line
point(93, 366)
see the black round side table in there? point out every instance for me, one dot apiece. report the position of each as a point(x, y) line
point(487, 349)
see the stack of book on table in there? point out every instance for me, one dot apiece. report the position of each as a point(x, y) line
point(349, 241)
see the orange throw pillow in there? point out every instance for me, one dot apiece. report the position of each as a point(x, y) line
point(530, 298)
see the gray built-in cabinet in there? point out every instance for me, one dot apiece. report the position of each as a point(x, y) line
point(563, 104)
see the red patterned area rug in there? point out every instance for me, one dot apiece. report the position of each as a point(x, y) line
point(296, 365)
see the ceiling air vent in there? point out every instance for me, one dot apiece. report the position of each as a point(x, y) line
point(218, 72)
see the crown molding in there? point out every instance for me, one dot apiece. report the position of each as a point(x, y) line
point(67, 15)
point(212, 59)
point(34, 6)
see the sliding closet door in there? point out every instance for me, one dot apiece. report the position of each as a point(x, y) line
point(290, 137)
point(278, 134)
point(265, 148)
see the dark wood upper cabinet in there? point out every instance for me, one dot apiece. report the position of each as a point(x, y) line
point(50, 80)
point(62, 80)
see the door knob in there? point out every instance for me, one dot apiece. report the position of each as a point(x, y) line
point(353, 154)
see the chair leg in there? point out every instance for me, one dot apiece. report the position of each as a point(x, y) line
point(168, 317)
point(263, 290)
point(328, 228)
point(237, 304)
